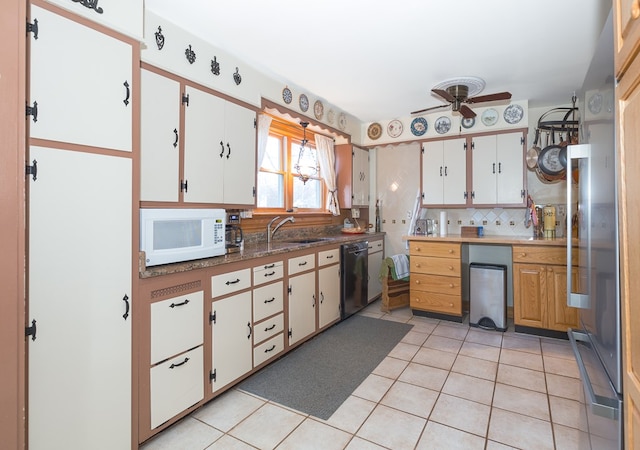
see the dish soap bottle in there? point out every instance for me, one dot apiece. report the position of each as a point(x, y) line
point(377, 216)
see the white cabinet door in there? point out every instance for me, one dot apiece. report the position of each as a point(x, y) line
point(302, 306)
point(484, 170)
point(444, 172)
point(160, 138)
point(329, 294)
point(240, 155)
point(204, 148)
point(79, 376)
point(232, 348)
point(510, 156)
point(360, 177)
point(374, 265)
point(124, 16)
point(82, 83)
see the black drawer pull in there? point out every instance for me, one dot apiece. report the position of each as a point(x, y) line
point(270, 274)
point(269, 266)
point(270, 328)
point(270, 300)
point(303, 263)
point(329, 256)
point(270, 349)
point(233, 282)
point(173, 305)
point(173, 366)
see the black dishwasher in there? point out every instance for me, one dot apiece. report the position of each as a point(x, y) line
point(355, 277)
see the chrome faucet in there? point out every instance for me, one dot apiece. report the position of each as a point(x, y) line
point(270, 233)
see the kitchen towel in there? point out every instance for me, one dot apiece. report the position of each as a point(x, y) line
point(443, 223)
point(401, 264)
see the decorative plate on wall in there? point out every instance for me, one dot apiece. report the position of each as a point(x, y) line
point(468, 122)
point(304, 103)
point(490, 117)
point(394, 129)
point(287, 96)
point(442, 125)
point(513, 114)
point(318, 109)
point(342, 121)
point(374, 131)
point(419, 126)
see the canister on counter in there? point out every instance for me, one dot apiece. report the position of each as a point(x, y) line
point(549, 217)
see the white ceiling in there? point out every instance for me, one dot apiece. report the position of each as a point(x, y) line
point(379, 59)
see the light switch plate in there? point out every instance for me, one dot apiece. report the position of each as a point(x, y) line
point(355, 213)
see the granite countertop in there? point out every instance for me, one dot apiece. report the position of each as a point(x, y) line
point(491, 239)
point(252, 251)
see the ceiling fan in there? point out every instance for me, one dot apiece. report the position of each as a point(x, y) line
point(458, 96)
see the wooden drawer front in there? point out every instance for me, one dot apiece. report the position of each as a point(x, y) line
point(327, 257)
point(442, 303)
point(227, 283)
point(268, 328)
point(436, 283)
point(543, 255)
point(267, 301)
point(438, 249)
point(176, 385)
point(302, 263)
point(376, 246)
point(268, 349)
point(435, 266)
point(268, 272)
point(176, 325)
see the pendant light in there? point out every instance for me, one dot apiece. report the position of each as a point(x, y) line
point(307, 166)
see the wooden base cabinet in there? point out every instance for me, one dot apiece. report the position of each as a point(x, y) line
point(539, 289)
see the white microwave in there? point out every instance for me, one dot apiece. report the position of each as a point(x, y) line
point(174, 235)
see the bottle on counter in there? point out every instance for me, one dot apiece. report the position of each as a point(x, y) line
point(377, 216)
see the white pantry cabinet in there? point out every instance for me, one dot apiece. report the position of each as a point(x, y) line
point(80, 295)
point(444, 172)
point(81, 83)
point(160, 138)
point(498, 169)
point(125, 16)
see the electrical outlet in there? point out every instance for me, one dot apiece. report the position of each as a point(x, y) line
point(355, 213)
point(562, 210)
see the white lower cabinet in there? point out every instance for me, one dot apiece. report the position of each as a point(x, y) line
point(268, 349)
point(176, 384)
point(302, 306)
point(328, 287)
point(376, 255)
point(232, 346)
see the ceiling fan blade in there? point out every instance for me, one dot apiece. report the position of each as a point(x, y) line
point(490, 97)
point(467, 112)
point(444, 94)
point(429, 109)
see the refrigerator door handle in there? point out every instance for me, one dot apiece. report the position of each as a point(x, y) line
point(600, 406)
point(575, 152)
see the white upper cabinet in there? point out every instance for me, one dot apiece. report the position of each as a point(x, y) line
point(81, 83)
point(498, 169)
point(124, 16)
point(160, 138)
point(444, 172)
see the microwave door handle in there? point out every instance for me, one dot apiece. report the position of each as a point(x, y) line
point(576, 152)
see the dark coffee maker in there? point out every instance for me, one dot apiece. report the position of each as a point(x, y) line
point(233, 238)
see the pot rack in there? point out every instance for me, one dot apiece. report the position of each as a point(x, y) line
point(568, 124)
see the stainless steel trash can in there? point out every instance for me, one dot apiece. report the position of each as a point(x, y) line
point(488, 296)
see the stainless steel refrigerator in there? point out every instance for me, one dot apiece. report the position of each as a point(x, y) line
point(592, 231)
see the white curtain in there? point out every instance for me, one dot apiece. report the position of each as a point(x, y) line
point(327, 160)
point(264, 122)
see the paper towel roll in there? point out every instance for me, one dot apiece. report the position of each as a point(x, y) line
point(443, 223)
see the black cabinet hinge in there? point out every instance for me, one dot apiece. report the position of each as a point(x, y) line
point(212, 376)
point(465, 146)
point(212, 317)
point(521, 140)
point(290, 333)
point(522, 193)
point(184, 186)
point(185, 99)
point(466, 195)
point(31, 331)
point(254, 192)
point(422, 150)
point(32, 111)
point(289, 290)
point(422, 195)
point(255, 123)
point(32, 170)
point(473, 145)
point(33, 28)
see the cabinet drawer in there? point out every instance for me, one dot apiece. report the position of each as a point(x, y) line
point(227, 283)
point(436, 283)
point(176, 385)
point(302, 263)
point(542, 255)
point(268, 272)
point(376, 246)
point(436, 249)
point(268, 328)
point(268, 349)
point(327, 257)
point(441, 303)
point(176, 325)
point(267, 301)
point(435, 266)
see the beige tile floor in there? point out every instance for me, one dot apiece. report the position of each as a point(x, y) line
point(445, 386)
